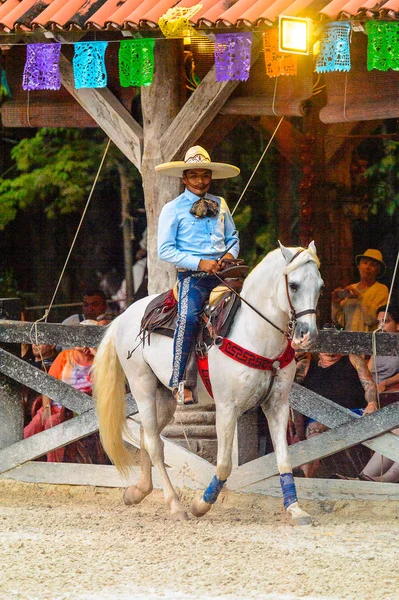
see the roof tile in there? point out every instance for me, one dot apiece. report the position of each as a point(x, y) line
point(140, 14)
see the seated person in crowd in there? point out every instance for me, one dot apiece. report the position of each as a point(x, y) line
point(354, 307)
point(73, 367)
point(346, 381)
point(385, 371)
point(41, 356)
point(94, 305)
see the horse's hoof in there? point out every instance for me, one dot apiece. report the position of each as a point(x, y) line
point(132, 495)
point(299, 516)
point(199, 508)
point(303, 520)
point(181, 515)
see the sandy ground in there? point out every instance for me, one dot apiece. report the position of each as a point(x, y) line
point(65, 542)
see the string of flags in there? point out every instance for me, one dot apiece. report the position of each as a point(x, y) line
point(232, 54)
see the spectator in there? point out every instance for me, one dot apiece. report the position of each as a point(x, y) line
point(41, 356)
point(386, 375)
point(385, 369)
point(73, 367)
point(345, 380)
point(94, 305)
point(354, 306)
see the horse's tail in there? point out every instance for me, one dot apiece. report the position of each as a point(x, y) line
point(109, 392)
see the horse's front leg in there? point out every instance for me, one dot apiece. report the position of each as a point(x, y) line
point(276, 409)
point(226, 421)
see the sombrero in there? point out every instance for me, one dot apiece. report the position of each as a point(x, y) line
point(375, 255)
point(197, 158)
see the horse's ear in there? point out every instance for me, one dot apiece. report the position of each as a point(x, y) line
point(312, 247)
point(286, 253)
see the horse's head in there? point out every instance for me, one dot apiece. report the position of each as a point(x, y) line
point(300, 291)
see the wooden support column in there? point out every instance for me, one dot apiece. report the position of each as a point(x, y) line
point(161, 102)
point(11, 405)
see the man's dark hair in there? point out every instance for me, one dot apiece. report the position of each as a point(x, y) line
point(392, 310)
point(95, 293)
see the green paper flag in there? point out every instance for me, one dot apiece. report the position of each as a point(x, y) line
point(136, 62)
point(382, 45)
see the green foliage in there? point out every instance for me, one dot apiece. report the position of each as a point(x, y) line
point(383, 180)
point(56, 169)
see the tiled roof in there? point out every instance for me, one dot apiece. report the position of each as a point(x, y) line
point(65, 15)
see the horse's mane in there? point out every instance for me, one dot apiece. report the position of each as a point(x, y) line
point(306, 255)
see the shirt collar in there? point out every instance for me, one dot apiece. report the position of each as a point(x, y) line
point(193, 197)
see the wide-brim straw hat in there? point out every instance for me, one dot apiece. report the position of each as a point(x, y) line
point(198, 158)
point(375, 255)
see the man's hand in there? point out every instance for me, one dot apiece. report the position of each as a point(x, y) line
point(370, 408)
point(222, 263)
point(209, 266)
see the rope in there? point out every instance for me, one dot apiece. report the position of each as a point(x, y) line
point(77, 232)
point(259, 161)
point(184, 432)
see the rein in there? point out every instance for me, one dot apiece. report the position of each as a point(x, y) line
point(294, 315)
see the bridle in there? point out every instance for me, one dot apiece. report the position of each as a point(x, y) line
point(294, 316)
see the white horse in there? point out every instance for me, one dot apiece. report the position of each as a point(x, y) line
point(283, 289)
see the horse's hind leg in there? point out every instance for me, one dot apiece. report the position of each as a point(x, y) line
point(155, 413)
point(134, 494)
point(166, 406)
point(276, 410)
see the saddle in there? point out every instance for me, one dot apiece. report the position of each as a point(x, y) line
point(217, 317)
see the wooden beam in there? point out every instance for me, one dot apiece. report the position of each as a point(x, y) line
point(51, 439)
point(198, 112)
point(340, 342)
point(14, 332)
point(255, 106)
point(328, 489)
point(327, 412)
point(109, 113)
point(107, 476)
point(94, 475)
point(347, 435)
point(41, 382)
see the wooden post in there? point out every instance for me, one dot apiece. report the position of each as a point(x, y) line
point(161, 102)
point(11, 405)
point(127, 233)
point(245, 447)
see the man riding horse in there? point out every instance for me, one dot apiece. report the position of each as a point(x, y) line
point(196, 232)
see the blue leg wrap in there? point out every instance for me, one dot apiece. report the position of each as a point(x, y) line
point(213, 490)
point(289, 490)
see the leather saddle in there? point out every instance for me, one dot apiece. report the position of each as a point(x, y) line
point(161, 313)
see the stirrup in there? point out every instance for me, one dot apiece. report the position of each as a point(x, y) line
point(183, 395)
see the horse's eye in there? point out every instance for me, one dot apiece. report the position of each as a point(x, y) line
point(294, 287)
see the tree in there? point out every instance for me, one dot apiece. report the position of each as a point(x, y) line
point(55, 171)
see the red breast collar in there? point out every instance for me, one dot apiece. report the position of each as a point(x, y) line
point(245, 357)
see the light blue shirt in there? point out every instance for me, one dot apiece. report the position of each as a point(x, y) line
point(184, 240)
